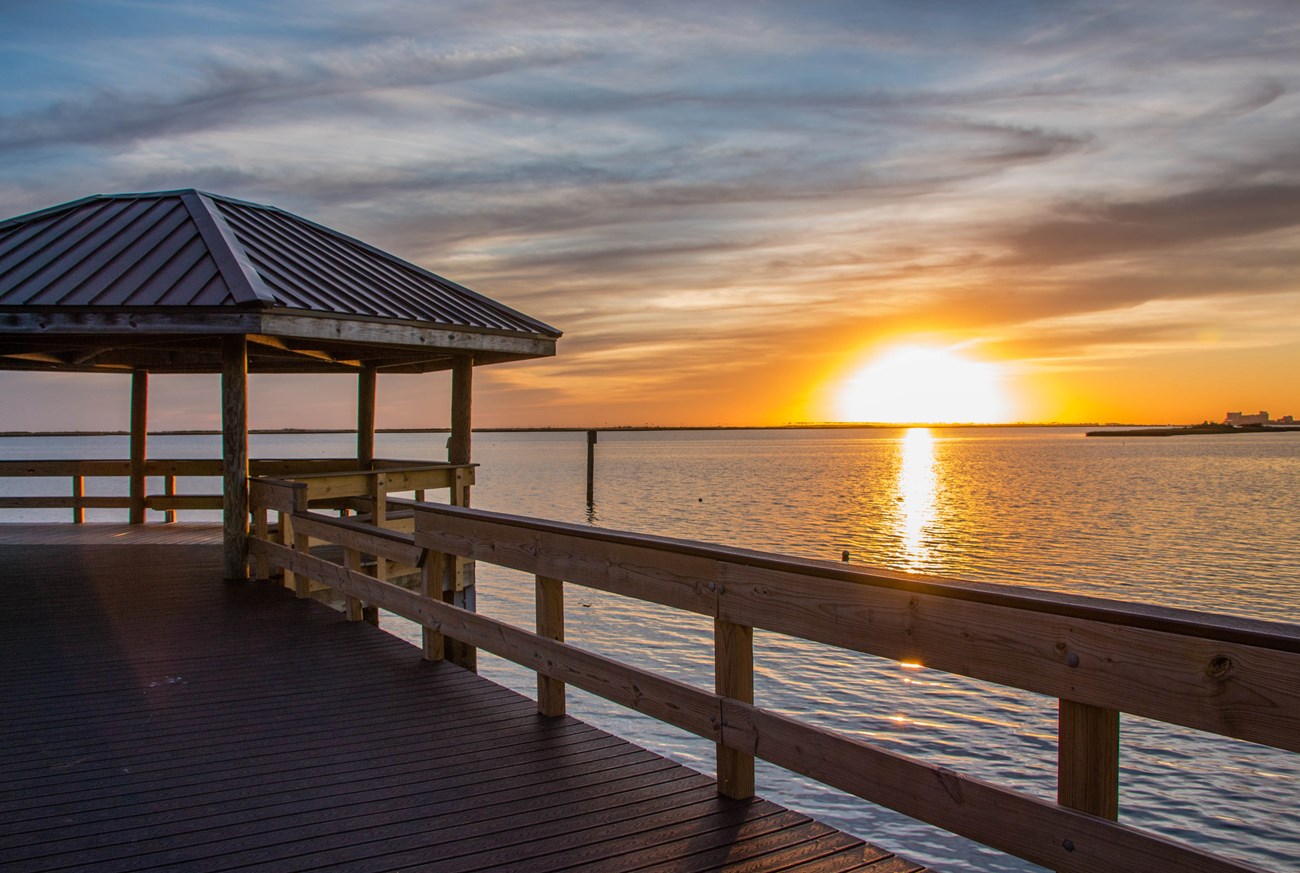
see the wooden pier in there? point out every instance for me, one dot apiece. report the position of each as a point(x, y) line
point(156, 716)
point(153, 716)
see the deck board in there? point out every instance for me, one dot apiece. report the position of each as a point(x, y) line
point(153, 717)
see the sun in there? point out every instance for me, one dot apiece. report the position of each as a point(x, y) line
point(925, 385)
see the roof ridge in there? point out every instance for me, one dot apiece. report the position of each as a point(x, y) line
point(245, 283)
point(399, 261)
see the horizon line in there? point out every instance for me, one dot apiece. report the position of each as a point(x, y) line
point(825, 425)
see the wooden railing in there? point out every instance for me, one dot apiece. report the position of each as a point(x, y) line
point(325, 473)
point(1233, 677)
point(365, 492)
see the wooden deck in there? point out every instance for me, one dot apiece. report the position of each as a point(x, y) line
point(153, 717)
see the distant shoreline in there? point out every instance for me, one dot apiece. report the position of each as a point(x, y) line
point(613, 429)
point(1196, 430)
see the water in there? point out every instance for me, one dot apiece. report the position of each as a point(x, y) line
point(1205, 523)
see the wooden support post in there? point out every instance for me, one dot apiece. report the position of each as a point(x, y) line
point(302, 543)
point(433, 569)
point(591, 468)
point(379, 516)
point(234, 454)
point(457, 591)
point(733, 664)
point(284, 534)
point(462, 388)
point(352, 605)
point(169, 489)
point(550, 624)
point(1088, 759)
point(458, 588)
point(261, 530)
point(139, 438)
point(78, 492)
point(366, 417)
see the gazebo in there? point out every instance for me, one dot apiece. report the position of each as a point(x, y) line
point(191, 282)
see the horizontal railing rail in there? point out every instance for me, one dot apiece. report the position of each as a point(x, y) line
point(338, 478)
point(1234, 677)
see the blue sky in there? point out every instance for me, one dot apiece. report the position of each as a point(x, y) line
point(728, 206)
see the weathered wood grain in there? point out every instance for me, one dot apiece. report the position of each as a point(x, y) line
point(1031, 828)
point(1242, 691)
point(570, 553)
point(733, 670)
point(668, 700)
point(206, 726)
point(550, 624)
point(139, 441)
point(1088, 759)
point(389, 544)
point(234, 454)
point(1235, 677)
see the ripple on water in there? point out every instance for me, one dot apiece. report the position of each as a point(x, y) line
point(1178, 522)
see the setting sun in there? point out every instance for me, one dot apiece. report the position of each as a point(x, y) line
point(916, 384)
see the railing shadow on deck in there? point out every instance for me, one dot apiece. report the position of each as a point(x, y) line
point(1233, 677)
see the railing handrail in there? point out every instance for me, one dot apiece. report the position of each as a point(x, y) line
point(404, 467)
point(401, 474)
point(1048, 833)
point(1219, 627)
point(204, 467)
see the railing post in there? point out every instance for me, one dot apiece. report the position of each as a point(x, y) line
point(260, 531)
point(550, 624)
point(459, 587)
point(78, 492)
point(301, 543)
point(352, 605)
point(733, 664)
point(139, 437)
point(1088, 759)
point(379, 515)
point(433, 569)
point(169, 489)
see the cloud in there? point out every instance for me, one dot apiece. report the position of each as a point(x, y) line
point(1101, 230)
point(239, 87)
point(685, 187)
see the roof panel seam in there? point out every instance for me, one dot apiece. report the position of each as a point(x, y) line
point(271, 244)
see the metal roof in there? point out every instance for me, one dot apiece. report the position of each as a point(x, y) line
point(151, 281)
point(190, 248)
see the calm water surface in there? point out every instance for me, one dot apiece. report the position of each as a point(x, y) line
point(1206, 523)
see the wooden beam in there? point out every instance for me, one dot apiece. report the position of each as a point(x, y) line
point(272, 342)
point(78, 492)
point(550, 624)
point(733, 676)
point(38, 357)
point(366, 417)
point(1088, 759)
point(1222, 674)
point(139, 439)
point(1029, 827)
point(234, 455)
point(462, 389)
point(507, 344)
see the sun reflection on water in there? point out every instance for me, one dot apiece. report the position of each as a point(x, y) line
point(917, 485)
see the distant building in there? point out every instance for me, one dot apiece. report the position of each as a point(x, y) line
point(1261, 417)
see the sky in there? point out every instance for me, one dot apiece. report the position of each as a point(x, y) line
point(731, 209)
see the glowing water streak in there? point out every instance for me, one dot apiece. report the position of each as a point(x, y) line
point(917, 486)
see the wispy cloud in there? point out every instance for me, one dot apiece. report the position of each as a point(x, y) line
point(711, 197)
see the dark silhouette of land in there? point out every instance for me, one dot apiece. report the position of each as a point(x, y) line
point(1194, 430)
